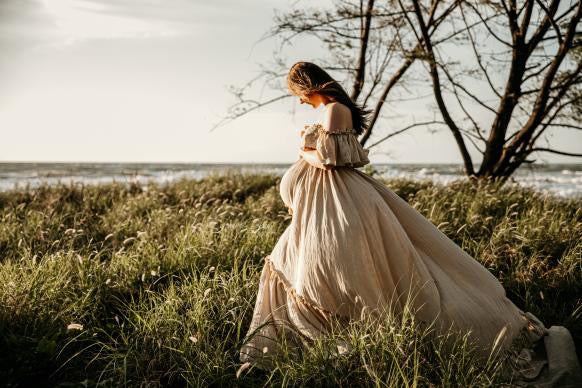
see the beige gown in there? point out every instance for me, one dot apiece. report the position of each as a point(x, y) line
point(354, 245)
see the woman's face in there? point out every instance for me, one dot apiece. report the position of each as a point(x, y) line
point(312, 99)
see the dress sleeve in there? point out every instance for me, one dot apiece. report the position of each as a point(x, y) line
point(333, 147)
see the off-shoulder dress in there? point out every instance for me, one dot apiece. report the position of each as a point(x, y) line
point(353, 247)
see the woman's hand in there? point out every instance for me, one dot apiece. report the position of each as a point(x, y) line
point(290, 210)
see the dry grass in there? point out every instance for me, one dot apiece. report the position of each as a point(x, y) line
point(155, 285)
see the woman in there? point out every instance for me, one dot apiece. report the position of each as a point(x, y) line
point(353, 246)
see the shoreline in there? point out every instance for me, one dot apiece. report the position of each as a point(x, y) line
point(562, 180)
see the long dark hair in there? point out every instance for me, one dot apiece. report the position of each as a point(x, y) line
point(306, 78)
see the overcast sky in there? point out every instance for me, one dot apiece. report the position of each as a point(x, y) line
point(144, 81)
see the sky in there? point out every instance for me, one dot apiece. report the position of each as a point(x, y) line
point(145, 81)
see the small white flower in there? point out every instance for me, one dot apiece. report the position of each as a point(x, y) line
point(75, 326)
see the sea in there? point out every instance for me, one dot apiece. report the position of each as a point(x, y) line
point(562, 180)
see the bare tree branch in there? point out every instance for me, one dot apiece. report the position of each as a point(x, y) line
point(437, 88)
point(392, 134)
point(236, 114)
point(361, 69)
point(554, 151)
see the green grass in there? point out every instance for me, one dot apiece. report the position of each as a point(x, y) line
point(163, 280)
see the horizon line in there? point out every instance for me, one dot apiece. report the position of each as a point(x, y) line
point(245, 163)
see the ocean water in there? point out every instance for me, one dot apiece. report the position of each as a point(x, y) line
point(563, 180)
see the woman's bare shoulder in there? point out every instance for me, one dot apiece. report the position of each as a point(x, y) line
point(337, 105)
point(338, 117)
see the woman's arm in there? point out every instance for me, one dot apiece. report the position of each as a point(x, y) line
point(311, 157)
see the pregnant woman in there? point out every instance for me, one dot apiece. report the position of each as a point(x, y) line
point(354, 245)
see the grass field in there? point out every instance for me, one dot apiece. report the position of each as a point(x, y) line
point(155, 285)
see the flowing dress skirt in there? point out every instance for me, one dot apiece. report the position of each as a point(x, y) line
point(355, 245)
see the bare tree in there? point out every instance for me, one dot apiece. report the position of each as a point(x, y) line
point(539, 45)
point(516, 74)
